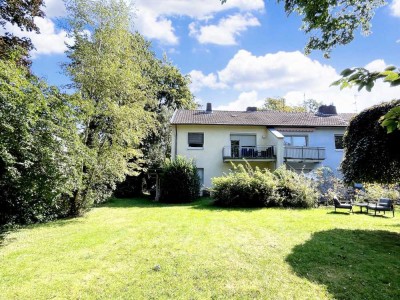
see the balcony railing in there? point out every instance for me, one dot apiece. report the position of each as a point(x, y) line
point(256, 152)
point(304, 153)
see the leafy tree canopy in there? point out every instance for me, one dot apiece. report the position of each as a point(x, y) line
point(279, 104)
point(39, 147)
point(166, 89)
point(22, 14)
point(106, 67)
point(372, 157)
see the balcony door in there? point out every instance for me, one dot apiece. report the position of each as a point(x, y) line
point(242, 143)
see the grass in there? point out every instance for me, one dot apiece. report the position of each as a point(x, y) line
point(137, 249)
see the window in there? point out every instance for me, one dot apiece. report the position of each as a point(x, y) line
point(338, 141)
point(196, 139)
point(295, 140)
point(200, 171)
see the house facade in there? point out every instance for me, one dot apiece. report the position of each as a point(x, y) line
point(268, 139)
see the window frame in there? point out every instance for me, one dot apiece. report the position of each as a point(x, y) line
point(200, 146)
point(291, 139)
point(334, 141)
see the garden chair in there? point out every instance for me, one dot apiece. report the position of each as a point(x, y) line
point(344, 205)
point(384, 204)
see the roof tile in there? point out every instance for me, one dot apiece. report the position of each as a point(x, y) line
point(265, 118)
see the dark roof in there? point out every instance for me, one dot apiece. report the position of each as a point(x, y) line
point(265, 118)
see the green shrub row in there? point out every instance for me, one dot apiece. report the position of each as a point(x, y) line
point(248, 187)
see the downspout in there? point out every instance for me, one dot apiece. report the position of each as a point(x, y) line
point(176, 134)
point(176, 140)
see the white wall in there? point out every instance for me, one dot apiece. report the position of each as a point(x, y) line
point(215, 138)
point(218, 136)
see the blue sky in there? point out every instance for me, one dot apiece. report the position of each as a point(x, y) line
point(242, 52)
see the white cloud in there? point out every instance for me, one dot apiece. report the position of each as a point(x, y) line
point(395, 8)
point(376, 65)
point(295, 77)
point(153, 18)
point(285, 70)
point(155, 26)
point(49, 41)
point(196, 9)
point(244, 100)
point(226, 31)
point(347, 100)
point(199, 80)
point(54, 8)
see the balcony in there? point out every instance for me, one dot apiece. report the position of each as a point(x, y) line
point(304, 154)
point(255, 153)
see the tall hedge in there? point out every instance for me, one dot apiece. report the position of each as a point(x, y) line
point(371, 154)
point(180, 181)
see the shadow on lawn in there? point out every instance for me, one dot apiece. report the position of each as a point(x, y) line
point(5, 231)
point(352, 264)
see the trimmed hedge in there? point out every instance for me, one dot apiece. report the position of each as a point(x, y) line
point(180, 182)
point(248, 187)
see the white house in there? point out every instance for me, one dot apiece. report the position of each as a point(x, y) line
point(268, 139)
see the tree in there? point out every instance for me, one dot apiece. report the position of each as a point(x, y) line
point(311, 105)
point(38, 147)
point(167, 90)
point(372, 155)
point(22, 14)
point(105, 69)
point(279, 104)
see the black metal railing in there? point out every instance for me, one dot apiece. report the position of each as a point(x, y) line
point(311, 153)
point(254, 152)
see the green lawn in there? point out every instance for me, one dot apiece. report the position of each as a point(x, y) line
point(203, 252)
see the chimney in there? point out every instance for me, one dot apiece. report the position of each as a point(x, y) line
point(251, 109)
point(209, 108)
point(327, 110)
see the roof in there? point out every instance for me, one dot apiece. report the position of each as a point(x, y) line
point(265, 118)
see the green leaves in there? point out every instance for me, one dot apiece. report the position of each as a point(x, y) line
point(372, 155)
point(363, 78)
point(38, 147)
point(391, 120)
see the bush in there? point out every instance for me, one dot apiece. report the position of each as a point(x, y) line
point(329, 186)
point(245, 187)
point(180, 181)
point(374, 191)
point(295, 189)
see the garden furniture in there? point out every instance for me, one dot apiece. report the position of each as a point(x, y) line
point(344, 205)
point(384, 204)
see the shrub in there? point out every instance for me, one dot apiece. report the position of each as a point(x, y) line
point(295, 189)
point(245, 187)
point(374, 191)
point(328, 185)
point(180, 181)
